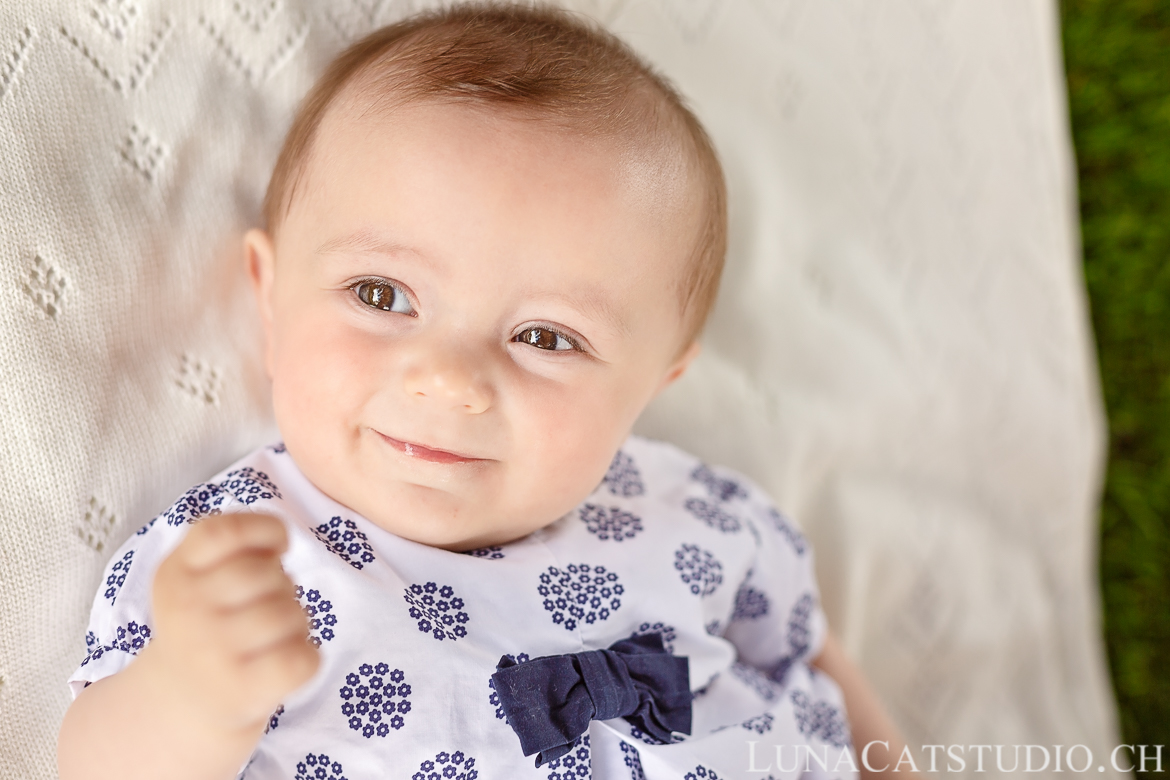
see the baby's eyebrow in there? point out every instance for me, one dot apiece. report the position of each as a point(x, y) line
point(591, 304)
point(365, 241)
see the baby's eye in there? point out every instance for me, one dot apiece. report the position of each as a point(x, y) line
point(384, 296)
point(544, 338)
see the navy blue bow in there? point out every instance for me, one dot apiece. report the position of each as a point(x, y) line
point(549, 701)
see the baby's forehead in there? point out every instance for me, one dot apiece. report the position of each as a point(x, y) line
point(644, 148)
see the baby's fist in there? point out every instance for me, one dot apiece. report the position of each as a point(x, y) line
point(230, 636)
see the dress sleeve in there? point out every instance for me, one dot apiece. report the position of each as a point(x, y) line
point(777, 619)
point(120, 618)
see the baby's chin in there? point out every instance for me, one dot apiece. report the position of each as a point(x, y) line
point(438, 518)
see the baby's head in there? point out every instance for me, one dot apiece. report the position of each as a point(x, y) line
point(493, 236)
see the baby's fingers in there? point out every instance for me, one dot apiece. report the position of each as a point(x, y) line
point(246, 577)
point(217, 538)
point(262, 625)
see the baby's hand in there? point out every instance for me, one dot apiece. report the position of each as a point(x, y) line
point(229, 635)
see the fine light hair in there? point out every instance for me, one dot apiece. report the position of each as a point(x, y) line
point(538, 63)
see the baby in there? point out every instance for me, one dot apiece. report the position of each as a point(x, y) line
point(493, 236)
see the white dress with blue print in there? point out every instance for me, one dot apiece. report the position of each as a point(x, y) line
point(410, 635)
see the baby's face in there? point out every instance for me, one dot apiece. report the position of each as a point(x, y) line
point(465, 314)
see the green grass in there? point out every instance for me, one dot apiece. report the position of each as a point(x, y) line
point(1117, 54)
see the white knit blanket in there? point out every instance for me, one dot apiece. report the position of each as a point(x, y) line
point(900, 352)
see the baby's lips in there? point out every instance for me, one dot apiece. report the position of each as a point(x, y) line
point(422, 452)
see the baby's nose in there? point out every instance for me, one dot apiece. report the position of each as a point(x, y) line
point(453, 381)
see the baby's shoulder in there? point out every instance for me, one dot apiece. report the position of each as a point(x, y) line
point(659, 476)
point(258, 477)
point(664, 470)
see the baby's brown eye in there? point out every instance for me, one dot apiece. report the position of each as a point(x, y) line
point(543, 338)
point(383, 296)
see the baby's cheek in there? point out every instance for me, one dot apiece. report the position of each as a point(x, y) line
point(563, 452)
point(316, 378)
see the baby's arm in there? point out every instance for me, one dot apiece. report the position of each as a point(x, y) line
point(229, 643)
point(868, 721)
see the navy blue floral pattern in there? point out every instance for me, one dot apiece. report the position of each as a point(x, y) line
point(346, 541)
point(494, 698)
point(494, 553)
point(438, 611)
point(623, 478)
point(788, 531)
point(798, 628)
point(274, 719)
point(754, 679)
point(650, 739)
point(612, 523)
point(701, 773)
point(713, 515)
point(819, 719)
point(667, 632)
point(760, 724)
point(633, 761)
point(750, 604)
point(447, 766)
point(698, 569)
point(117, 576)
point(374, 698)
point(719, 488)
point(200, 501)
point(247, 485)
point(319, 767)
point(713, 628)
point(755, 532)
point(798, 635)
point(574, 765)
point(278, 448)
point(320, 613)
point(580, 592)
point(129, 638)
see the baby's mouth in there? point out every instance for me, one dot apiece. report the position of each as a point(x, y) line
point(414, 450)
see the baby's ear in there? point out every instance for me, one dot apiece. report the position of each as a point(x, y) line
point(260, 265)
point(679, 366)
point(259, 254)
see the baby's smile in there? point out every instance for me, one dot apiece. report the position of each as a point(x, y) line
point(432, 454)
point(466, 311)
